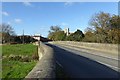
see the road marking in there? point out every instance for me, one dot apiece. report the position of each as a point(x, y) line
point(113, 67)
point(59, 64)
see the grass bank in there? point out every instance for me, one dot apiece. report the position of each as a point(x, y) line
point(18, 60)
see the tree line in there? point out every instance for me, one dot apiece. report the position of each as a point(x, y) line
point(7, 35)
point(56, 33)
point(103, 28)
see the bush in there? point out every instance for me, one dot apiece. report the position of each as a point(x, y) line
point(14, 57)
point(25, 59)
point(13, 43)
point(19, 58)
point(35, 56)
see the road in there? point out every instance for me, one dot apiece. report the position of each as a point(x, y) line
point(77, 66)
point(107, 59)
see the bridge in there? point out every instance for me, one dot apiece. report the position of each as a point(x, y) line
point(78, 60)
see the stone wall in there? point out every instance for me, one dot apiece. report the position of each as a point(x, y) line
point(45, 67)
point(108, 48)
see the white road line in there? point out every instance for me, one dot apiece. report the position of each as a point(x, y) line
point(113, 67)
point(59, 64)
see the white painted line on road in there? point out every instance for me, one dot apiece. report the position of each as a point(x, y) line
point(59, 64)
point(114, 67)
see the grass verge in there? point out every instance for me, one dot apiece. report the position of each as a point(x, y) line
point(18, 60)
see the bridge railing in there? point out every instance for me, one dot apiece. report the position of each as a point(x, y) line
point(108, 48)
point(106, 54)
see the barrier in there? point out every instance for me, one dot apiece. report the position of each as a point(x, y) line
point(109, 48)
point(45, 67)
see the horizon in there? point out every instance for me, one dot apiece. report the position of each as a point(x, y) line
point(37, 17)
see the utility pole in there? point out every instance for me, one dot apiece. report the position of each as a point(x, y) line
point(23, 37)
point(39, 40)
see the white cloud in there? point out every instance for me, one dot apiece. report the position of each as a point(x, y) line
point(5, 13)
point(18, 20)
point(27, 3)
point(8, 22)
point(64, 24)
point(68, 3)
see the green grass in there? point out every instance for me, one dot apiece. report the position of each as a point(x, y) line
point(12, 68)
point(0, 68)
point(16, 69)
point(18, 49)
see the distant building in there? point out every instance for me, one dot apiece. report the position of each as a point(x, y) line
point(39, 37)
point(36, 36)
point(67, 31)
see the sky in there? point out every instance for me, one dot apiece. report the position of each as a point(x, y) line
point(37, 17)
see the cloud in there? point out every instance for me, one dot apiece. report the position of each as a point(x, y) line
point(5, 13)
point(17, 20)
point(64, 24)
point(68, 3)
point(8, 22)
point(27, 3)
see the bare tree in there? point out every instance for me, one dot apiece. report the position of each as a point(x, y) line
point(6, 31)
point(55, 29)
point(6, 28)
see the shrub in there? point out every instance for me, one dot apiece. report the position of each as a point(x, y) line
point(13, 43)
point(25, 59)
point(14, 57)
point(35, 56)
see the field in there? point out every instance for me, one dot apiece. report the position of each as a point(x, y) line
point(18, 60)
point(19, 49)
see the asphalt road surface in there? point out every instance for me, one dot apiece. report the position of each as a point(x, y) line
point(77, 66)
